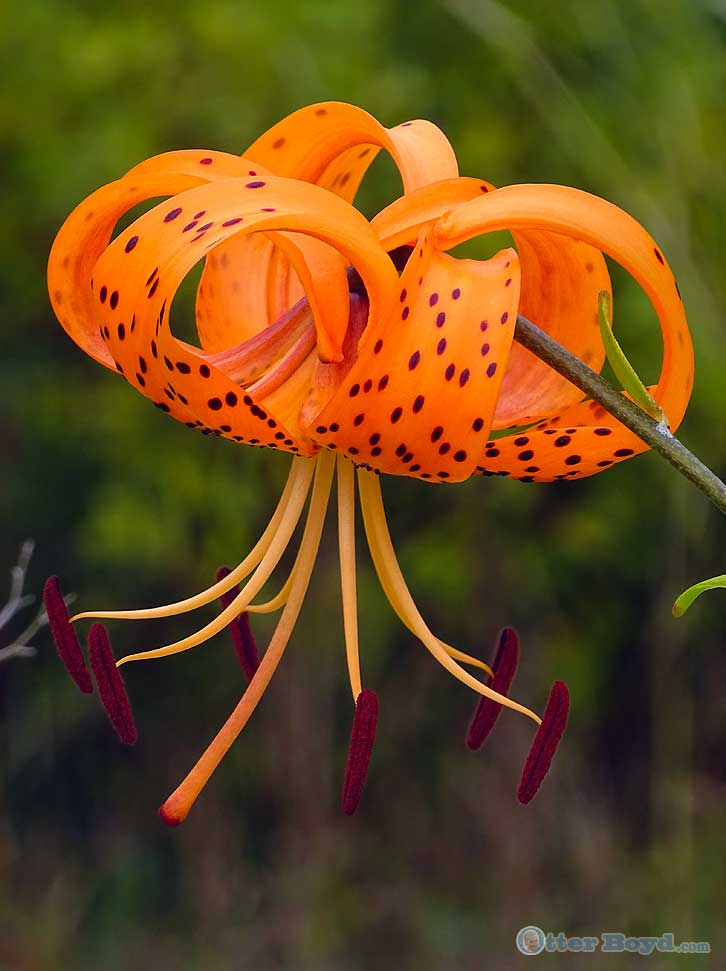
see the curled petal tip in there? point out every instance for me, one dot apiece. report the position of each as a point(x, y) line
point(362, 738)
point(111, 685)
point(549, 733)
point(487, 711)
point(64, 636)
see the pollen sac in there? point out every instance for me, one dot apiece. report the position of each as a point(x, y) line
point(241, 631)
point(362, 738)
point(66, 641)
point(554, 722)
point(487, 711)
point(110, 684)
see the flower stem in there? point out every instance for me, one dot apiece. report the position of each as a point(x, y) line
point(655, 434)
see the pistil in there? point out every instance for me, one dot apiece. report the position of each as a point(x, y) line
point(177, 806)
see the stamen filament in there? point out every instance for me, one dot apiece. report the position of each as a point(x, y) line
point(346, 545)
point(259, 578)
point(294, 494)
point(278, 601)
point(389, 572)
point(177, 806)
point(453, 652)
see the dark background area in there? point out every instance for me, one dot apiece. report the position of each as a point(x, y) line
point(441, 866)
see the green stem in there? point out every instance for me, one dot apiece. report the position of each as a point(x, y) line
point(655, 434)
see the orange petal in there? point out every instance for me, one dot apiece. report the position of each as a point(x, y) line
point(583, 439)
point(420, 397)
point(86, 232)
point(400, 223)
point(333, 145)
point(134, 287)
point(561, 278)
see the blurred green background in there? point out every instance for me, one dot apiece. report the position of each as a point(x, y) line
point(441, 866)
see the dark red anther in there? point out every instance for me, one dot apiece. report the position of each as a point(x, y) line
point(66, 641)
point(242, 636)
point(487, 711)
point(544, 746)
point(110, 684)
point(362, 738)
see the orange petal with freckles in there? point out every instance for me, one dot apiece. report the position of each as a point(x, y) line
point(561, 279)
point(420, 398)
point(86, 233)
point(333, 145)
point(581, 441)
point(134, 288)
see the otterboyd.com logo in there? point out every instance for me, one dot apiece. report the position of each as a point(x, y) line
point(533, 940)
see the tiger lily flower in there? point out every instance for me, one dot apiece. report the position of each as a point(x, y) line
point(360, 348)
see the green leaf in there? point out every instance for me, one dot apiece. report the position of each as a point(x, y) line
point(688, 596)
point(621, 365)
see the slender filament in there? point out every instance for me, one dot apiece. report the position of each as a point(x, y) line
point(181, 800)
point(276, 602)
point(403, 616)
point(346, 546)
point(389, 572)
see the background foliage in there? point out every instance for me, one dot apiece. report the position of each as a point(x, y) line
point(441, 867)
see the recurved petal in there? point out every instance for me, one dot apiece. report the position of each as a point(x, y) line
point(134, 288)
point(333, 144)
point(400, 223)
point(420, 398)
point(250, 282)
point(582, 439)
point(561, 279)
point(86, 233)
